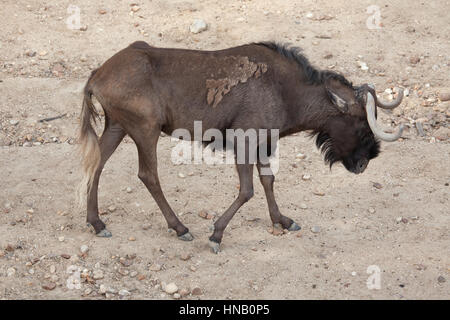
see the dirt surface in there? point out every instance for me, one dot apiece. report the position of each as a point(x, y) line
point(393, 219)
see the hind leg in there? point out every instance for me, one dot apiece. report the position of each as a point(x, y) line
point(267, 179)
point(146, 141)
point(110, 139)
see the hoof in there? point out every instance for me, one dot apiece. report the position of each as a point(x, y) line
point(104, 234)
point(294, 227)
point(186, 237)
point(215, 247)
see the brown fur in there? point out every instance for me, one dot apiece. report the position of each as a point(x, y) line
point(145, 90)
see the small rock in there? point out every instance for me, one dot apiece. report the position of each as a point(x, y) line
point(371, 210)
point(146, 226)
point(97, 274)
point(83, 28)
point(13, 122)
point(155, 267)
point(61, 239)
point(135, 8)
point(185, 256)
point(444, 96)
point(318, 193)
point(377, 185)
point(112, 208)
point(181, 175)
point(132, 238)
point(193, 268)
point(170, 288)
point(133, 274)
point(306, 177)
point(102, 289)
point(124, 293)
point(184, 292)
point(315, 229)
point(303, 206)
point(398, 219)
point(414, 59)
point(87, 292)
point(129, 190)
point(123, 271)
point(176, 296)
point(198, 26)
point(362, 65)
point(441, 279)
point(84, 249)
point(49, 286)
point(65, 256)
point(10, 272)
point(300, 156)
point(196, 291)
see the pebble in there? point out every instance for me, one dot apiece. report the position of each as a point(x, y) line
point(441, 279)
point(112, 208)
point(303, 206)
point(10, 272)
point(13, 122)
point(315, 229)
point(49, 286)
point(84, 249)
point(61, 239)
point(135, 8)
point(185, 256)
point(196, 291)
point(198, 26)
point(300, 156)
point(444, 96)
point(87, 292)
point(205, 215)
point(362, 65)
point(414, 59)
point(132, 238)
point(398, 219)
point(170, 288)
point(133, 274)
point(65, 256)
point(155, 267)
point(176, 296)
point(124, 293)
point(97, 274)
point(306, 177)
point(184, 292)
point(371, 210)
point(318, 193)
point(129, 190)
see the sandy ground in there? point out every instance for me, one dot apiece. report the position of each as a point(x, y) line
point(394, 218)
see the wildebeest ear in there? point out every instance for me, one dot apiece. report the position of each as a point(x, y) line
point(337, 101)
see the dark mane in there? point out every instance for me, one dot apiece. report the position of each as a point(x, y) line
point(312, 75)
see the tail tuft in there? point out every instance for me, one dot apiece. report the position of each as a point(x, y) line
point(89, 147)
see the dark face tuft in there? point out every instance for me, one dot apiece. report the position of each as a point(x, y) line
point(348, 140)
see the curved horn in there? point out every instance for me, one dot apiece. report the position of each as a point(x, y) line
point(394, 103)
point(370, 110)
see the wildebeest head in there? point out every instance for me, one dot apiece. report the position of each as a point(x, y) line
point(350, 135)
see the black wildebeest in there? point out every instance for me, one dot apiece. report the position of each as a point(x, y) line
point(144, 90)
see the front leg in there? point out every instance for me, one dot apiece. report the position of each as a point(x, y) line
point(267, 179)
point(245, 172)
